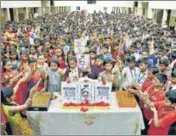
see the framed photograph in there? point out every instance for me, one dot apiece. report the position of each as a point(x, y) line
point(86, 92)
point(103, 92)
point(79, 46)
point(83, 61)
point(69, 92)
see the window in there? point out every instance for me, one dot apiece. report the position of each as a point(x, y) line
point(91, 1)
point(77, 8)
point(105, 8)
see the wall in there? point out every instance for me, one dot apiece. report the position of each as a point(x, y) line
point(162, 4)
point(173, 18)
point(21, 13)
point(18, 4)
point(3, 16)
point(98, 6)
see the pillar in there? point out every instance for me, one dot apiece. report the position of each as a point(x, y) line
point(8, 14)
point(39, 11)
point(172, 21)
point(16, 18)
point(164, 18)
point(150, 13)
point(26, 13)
point(47, 7)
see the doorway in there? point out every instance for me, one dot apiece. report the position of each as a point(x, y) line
point(159, 16)
point(11, 14)
point(168, 17)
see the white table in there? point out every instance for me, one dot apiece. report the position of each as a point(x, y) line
point(116, 121)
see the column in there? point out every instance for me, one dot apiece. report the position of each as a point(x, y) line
point(26, 13)
point(8, 14)
point(164, 18)
point(16, 18)
point(39, 11)
point(150, 13)
point(172, 21)
point(47, 6)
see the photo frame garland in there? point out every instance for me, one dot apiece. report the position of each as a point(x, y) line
point(82, 91)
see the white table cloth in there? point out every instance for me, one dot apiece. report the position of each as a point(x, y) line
point(115, 121)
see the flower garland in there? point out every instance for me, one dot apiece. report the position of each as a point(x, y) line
point(85, 106)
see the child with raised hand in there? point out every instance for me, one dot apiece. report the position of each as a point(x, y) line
point(60, 56)
point(172, 83)
point(9, 73)
point(14, 112)
point(73, 72)
point(154, 93)
point(54, 77)
point(164, 114)
point(97, 69)
point(143, 71)
point(92, 53)
point(33, 52)
point(108, 75)
point(45, 53)
point(41, 62)
point(130, 72)
point(36, 75)
point(105, 52)
point(14, 59)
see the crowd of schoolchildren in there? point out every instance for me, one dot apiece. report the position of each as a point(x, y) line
point(132, 52)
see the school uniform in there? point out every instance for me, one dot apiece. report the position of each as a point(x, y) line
point(73, 74)
point(54, 81)
point(130, 75)
point(95, 71)
point(154, 97)
point(166, 117)
point(92, 63)
point(147, 83)
point(142, 76)
point(110, 77)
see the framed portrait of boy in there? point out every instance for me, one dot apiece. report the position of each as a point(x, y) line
point(86, 92)
point(103, 91)
point(69, 92)
point(83, 61)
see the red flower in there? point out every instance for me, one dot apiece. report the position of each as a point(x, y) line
point(86, 101)
point(84, 109)
point(85, 80)
point(82, 104)
point(68, 81)
point(71, 104)
point(66, 104)
point(54, 97)
point(97, 104)
point(103, 82)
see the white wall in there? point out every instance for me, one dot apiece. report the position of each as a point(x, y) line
point(20, 4)
point(98, 6)
point(162, 4)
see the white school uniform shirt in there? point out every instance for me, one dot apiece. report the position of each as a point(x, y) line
point(141, 78)
point(128, 42)
point(136, 55)
point(130, 76)
point(73, 74)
